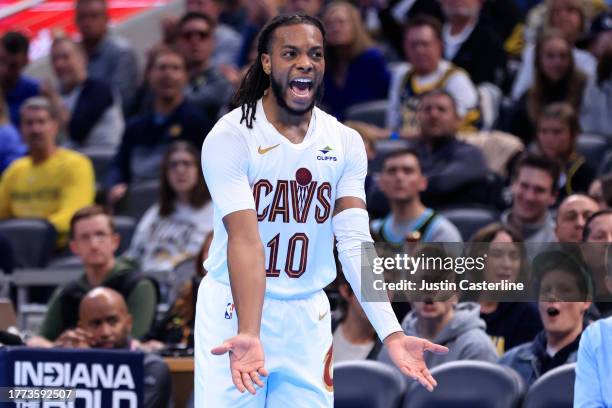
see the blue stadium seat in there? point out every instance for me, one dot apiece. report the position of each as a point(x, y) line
point(367, 384)
point(555, 389)
point(469, 384)
point(592, 147)
point(33, 241)
point(374, 113)
point(125, 227)
point(139, 198)
point(469, 220)
point(100, 158)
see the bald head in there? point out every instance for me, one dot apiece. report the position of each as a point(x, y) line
point(104, 313)
point(572, 215)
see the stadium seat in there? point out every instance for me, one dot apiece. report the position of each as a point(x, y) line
point(374, 113)
point(66, 262)
point(183, 272)
point(605, 167)
point(124, 226)
point(592, 147)
point(367, 384)
point(33, 241)
point(139, 198)
point(100, 159)
point(469, 384)
point(555, 389)
point(469, 220)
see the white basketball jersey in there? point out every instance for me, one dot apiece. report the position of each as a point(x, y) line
point(292, 187)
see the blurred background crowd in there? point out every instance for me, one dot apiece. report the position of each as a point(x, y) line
point(484, 120)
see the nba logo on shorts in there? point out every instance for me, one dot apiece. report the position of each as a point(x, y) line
point(229, 311)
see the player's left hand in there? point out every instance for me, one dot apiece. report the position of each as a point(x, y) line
point(406, 352)
point(246, 361)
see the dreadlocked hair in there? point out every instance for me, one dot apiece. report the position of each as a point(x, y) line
point(256, 81)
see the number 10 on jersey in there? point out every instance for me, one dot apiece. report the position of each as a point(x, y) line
point(297, 246)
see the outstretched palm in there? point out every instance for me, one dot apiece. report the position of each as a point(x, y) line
point(406, 352)
point(246, 361)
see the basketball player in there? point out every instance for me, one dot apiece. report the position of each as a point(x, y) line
point(285, 178)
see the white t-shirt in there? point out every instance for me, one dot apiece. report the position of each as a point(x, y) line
point(344, 350)
point(292, 187)
point(160, 243)
point(452, 43)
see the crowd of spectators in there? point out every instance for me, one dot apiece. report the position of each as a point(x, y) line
point(488, 104)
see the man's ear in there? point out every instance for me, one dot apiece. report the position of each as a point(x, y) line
point(266, 63)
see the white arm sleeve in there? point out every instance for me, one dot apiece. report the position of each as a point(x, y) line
point(352, 231)
point(225, 162)
point(354, 244)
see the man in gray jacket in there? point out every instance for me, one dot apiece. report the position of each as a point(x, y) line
point(457, 326)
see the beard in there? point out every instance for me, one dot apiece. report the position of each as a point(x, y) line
point(277, 90)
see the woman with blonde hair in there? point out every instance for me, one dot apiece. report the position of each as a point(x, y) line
point(557, 78)
point(571, 19)
point(11, 145)
point(558, 129)
point(356, 71)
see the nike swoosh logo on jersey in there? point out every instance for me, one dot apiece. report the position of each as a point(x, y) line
point(322, 316)
point(267, 149)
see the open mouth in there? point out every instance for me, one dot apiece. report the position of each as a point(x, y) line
point(552, 311)
point(301, 87)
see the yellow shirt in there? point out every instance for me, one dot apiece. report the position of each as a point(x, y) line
point(53, 190)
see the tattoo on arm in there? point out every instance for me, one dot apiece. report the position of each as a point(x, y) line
point(344, 203)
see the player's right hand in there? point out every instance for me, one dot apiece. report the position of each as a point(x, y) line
point(246, 361)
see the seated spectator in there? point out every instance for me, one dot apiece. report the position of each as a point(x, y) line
point(557, 132)
point(561, 282)
point(558, 79)
point(572, 215)
point(106, 323)
point(594, 366)
point(569, 18)
point(455, 170)
point(110, 57)
point(597, 234)
point(427, 71)
point(173, 229)
point(207, 88)
point(534, 190)
point(597, 99)
point(600, 34)
point(17, 86)
point(94, 241)
point(227, 40)
point(354, 337)
point(451, 324)
point(508, 323)
point(51, 183)
point(465, 35)
point(600, 190)
point(11, 145)
point(147, 136)
point(356, 72)
point(92, 115)
point(175, 329)
point(401, 181)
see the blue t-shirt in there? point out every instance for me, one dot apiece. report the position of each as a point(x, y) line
point(11, 145)
point(25, 88)
point(594, 367)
